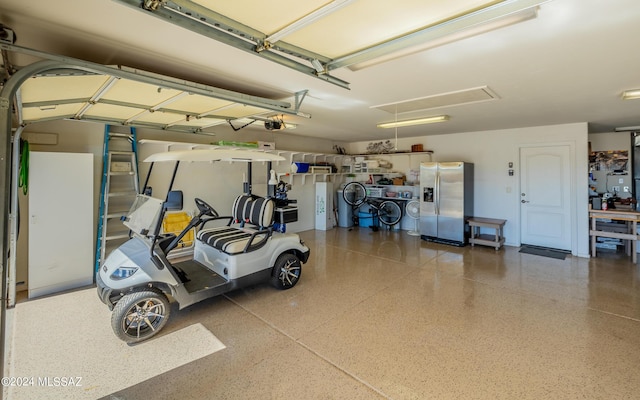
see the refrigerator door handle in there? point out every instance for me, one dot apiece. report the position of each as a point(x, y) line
point(437, 194)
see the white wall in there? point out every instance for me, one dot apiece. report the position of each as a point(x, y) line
point(496, 193)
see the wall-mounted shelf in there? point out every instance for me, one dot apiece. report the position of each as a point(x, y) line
point(303, 176)
point(300, 156)
point(408, 153)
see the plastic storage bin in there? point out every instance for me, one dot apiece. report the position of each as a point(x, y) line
point(367, 220)
point(374, 191)
point(300, 167)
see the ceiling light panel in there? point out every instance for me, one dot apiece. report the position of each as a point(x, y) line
point(468, 96)
point(412, 122)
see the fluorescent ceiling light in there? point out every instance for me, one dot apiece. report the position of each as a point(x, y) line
point(631, 94)
point(628, 129)
point(417, 121)
point(308, 19)
point(449, 36)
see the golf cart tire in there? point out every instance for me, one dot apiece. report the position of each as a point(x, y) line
point(144, 300)
point(286, 271)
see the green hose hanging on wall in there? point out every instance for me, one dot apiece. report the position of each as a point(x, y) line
point(23, 177)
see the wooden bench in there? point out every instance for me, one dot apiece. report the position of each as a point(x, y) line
point(475, 223)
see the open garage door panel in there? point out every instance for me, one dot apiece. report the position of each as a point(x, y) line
point(107, 98)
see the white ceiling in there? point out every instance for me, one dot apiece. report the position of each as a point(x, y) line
point(568, 65)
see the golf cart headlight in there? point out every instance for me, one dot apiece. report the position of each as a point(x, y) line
point(123, 273)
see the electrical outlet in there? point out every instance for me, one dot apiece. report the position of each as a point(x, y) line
point(616, 189)
point(626, 189)
point(621, 180)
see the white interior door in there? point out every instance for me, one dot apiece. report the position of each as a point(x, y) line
point(545, 198)
point(61, 235)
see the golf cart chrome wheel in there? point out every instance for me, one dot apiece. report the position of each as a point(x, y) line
point(286, 271)
point(140, 315)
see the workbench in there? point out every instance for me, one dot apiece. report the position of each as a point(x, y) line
point(631, 219)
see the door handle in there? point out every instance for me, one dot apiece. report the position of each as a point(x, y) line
point(524, 201)
point(437, 194)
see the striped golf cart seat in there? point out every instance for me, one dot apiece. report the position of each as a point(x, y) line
point(247, 231)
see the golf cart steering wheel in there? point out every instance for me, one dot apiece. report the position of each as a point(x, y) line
point(205, 209)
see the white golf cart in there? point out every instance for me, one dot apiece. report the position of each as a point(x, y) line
point(137, 280)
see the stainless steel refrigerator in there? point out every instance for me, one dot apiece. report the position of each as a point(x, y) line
point(446, 201)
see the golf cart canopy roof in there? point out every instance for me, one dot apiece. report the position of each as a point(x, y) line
point(214, 155)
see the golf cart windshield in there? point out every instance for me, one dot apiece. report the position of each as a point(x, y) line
point(144, 215)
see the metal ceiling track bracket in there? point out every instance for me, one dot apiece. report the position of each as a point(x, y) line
point(300, 98)
point(206, 22)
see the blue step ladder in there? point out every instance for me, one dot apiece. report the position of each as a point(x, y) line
point(120, 185)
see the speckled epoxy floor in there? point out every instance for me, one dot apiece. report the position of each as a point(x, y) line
point(386, 315)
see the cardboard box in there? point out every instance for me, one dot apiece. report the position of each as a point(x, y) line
point(320, 169)
point(398, 181)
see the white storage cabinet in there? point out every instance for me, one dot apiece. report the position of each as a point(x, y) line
point(61, 228)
